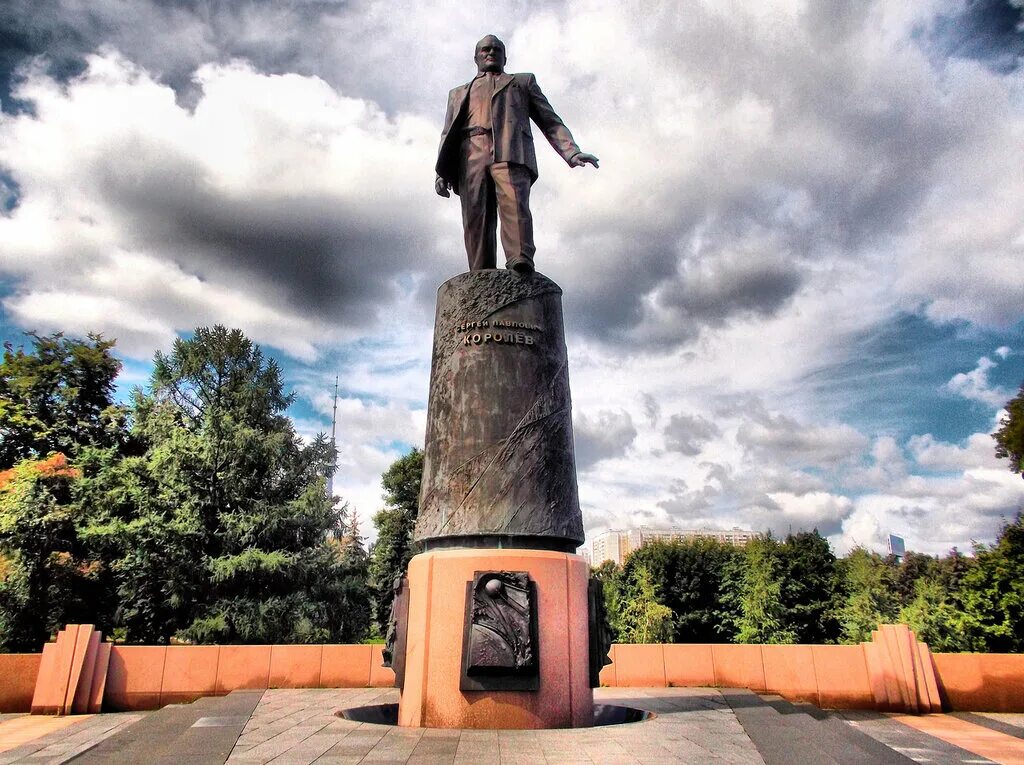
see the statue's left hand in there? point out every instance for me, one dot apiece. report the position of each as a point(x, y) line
point(582, 159)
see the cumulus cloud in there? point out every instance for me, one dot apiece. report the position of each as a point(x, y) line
point(273, 205)
point(975, 386)
point(931, 453)
point(604, 435)
point(686, 434)
point(782, 438)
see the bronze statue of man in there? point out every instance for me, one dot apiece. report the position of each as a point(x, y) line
point(487, 156)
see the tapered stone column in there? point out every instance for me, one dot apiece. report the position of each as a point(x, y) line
point(499, 469)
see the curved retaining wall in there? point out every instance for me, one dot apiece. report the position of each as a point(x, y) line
point(884, 674)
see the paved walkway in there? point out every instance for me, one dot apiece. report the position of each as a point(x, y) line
point(692, 725)
point(45, 740)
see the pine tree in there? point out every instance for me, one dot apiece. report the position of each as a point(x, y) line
point(218, 532)
point(809, 587)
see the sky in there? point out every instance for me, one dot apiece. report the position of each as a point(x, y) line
point(792, 291)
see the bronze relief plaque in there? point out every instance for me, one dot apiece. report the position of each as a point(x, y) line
point(499, 645)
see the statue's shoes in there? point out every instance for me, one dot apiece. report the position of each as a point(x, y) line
point(521, 266)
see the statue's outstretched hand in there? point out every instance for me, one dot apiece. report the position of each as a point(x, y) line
point(442, 187)
point(582, 159)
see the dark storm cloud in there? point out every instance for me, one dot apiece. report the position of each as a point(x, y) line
point(170, 39)
point(711, 295)
point(327, 259)
point(358, 47)
point(989, 31)
point(324, 257)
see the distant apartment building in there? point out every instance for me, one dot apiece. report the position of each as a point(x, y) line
point(615, 545)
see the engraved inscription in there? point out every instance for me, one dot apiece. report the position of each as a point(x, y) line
point(509, 338)
point(498, 331)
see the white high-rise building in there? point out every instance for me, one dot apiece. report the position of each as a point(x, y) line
point(615, 545)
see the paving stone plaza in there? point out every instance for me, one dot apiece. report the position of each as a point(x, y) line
point(691, 725)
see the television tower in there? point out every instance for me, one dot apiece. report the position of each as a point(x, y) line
point(334, 436)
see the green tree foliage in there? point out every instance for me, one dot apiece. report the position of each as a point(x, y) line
point(643, 619)
point(154, 557)
point(1010, 435)
point(57, 397)
point(993, 591)
point(809, 581)
point(868, 599)
point(612, 581)
point(56, 400)
point(936, 618)
point(248, 491)
point(46, 578)
point(689, 576)
point(395, 522)
point(355, 564)
point(762, 616)
point(908, 572)
point(218, 531)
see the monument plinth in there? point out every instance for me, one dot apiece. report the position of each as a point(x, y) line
point(495, 622)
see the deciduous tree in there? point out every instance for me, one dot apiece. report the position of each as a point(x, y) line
point(868, 596)
point(762, 615)
point(643, 619)
point(57, 397)
point(1010, 436)
point(395, 523)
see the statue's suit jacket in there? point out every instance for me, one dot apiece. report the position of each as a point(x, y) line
point(517, 98)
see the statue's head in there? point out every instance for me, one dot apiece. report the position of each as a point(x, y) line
point(490, 55)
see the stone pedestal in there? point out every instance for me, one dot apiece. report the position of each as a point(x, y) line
point(499, 469)
point(432, 696)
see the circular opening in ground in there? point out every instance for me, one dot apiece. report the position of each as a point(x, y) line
point(387, 714)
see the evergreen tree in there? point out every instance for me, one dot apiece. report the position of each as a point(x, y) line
point(762, 615)
point(395, 522)
point(868, 597)
point(809, 587)
point(951, 570)
point(643, 618)
point(219, 531)
point(153, 554)
point(57, 398)
point(355, 564)
point(1010, 436)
